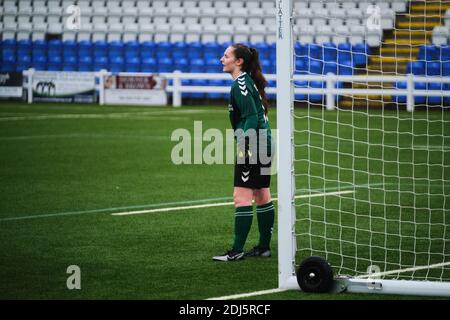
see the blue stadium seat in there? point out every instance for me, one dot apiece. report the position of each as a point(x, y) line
point(39, 48)
point(197, 65)
point(23, 62)
point(85, 63)
point(70, 48)
point(149, 65)
point(194, 50)
point(181, 64)
point(147, 50)
point(85, 48)
point(9, 45)
point(299, 49)
point(345, 67)
point(132, 49)
point(301, 65)
point(344, 52)
point(69, 63)
point(24, 47)
point(100, 62)
point(446, 69)
point(39, 62)
point(433, 68)
point(360, 54)
point(329, 66)
point(273, 66)
point(315, 66)
point(213, 65)
point(266, 66)
point(100, 48)
point(165, 65)
point(212, 50)
point(115, 49)
point(132, 64)
point(415, 67)
point(163, 50)
point(428, 52)
point(54, 63)
point(272, 51)
point(329, 52)
point(445, 53)
point(179, 50)
point(54, 47)
point(314, 51)
point(8, 62)
point(116, 64)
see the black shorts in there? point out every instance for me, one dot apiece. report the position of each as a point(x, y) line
point(254, 176)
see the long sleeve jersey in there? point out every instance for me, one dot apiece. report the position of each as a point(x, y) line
point(247, 110)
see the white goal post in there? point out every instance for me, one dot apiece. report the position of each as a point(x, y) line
point(390, 233)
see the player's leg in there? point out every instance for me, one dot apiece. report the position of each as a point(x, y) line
point(266, 216)
point(243, 198)
point(243, 217)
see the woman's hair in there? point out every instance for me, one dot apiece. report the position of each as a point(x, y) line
point(251, 65)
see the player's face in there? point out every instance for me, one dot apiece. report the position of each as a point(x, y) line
point(229, 61)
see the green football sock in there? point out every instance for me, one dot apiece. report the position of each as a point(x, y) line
point(266, 217)
point(242, 223)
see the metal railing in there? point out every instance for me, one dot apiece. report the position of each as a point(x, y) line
point(329, 90)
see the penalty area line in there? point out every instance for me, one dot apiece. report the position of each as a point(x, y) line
point(221, 204)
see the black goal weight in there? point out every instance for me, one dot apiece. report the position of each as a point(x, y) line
point(315, 275)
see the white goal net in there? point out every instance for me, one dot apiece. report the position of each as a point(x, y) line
point(369, 122)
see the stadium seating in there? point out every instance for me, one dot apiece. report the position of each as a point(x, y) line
point(191, 36)
point(190, 29)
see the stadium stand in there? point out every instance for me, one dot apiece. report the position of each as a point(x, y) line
point(168, 35)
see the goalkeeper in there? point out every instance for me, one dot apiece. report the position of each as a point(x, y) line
point(248, 115)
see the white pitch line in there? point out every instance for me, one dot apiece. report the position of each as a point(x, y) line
point(250, 294)
point(116, 115)
point(220, 204)
point(412, 269)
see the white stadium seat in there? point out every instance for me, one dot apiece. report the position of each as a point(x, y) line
point(440, 35)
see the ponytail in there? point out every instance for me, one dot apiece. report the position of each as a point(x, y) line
point(252, 66)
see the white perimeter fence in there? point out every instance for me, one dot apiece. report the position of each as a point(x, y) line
point(329, 90)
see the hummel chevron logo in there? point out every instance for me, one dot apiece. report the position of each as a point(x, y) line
point(245, 175)
point(242, 86)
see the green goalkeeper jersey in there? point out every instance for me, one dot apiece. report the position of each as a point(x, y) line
point(247, 110)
